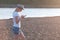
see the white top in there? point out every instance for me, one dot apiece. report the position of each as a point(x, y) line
point(14, 22)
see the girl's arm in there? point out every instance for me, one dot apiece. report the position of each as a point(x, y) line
point(16, 20)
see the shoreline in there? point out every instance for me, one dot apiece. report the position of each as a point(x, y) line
point(35, 17)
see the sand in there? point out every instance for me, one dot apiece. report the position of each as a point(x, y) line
point(46, 28)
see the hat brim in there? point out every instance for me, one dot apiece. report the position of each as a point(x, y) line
point(20, 8)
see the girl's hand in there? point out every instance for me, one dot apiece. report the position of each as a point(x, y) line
point(23, 16)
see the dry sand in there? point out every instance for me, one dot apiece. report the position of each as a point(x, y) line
point(47, 28)
point(31, 3)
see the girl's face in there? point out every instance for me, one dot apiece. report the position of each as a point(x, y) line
point(18, 9)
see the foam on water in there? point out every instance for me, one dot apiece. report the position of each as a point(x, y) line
point(6, 13)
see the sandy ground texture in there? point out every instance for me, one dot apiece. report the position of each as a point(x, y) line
point(47, 28)
point(32, 3)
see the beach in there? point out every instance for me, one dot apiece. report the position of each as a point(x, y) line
point(38, 28)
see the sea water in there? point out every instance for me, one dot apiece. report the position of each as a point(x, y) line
point(6, 13)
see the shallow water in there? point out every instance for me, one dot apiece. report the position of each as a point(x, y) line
point(6, 13)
